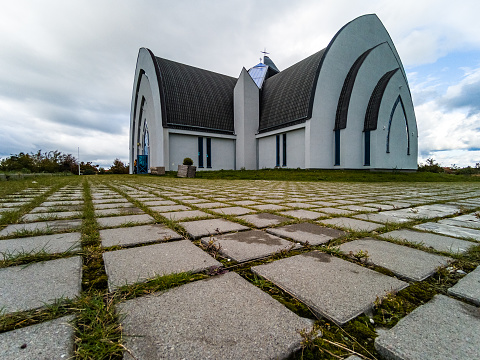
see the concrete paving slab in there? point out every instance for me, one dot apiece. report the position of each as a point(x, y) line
point(62, 203)
point(182, 215)
point(468, 287)
point(357, 208)
point(448, 230)
point(29, 287)
point(200, 228)
point(129, 266)
point(166, 208)
point(119, 211)
point(262, 220)
point(157, 202)
point(300, 205)
point(351, 224)
point(307, 232)
point(51, 244)
point(112, 205)
point(335, 211)
point(379, 206)
point(122, 220)
point(383, 217)
point(16, 204)
point(303, 214)
point(211, 205)
point(135, 235)
point(437, 242)
point(334, 288)
point(245, 202)
point(195, 201)
point(269, 207)
point(40, 209)
point(469, 221)
point(52, 339)
point(51, 216)
point(42, 226)
point(408, 263)
point(224, 317)
point(443, 328)
point(234, 210)
point(110, 201)
point(249, 245)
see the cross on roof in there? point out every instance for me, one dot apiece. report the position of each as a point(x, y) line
point(264, 52)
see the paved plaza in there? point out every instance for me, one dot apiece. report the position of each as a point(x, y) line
point(338, 248)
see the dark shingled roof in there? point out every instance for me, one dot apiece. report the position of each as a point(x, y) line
point(287, 97)
point(195, 98)
point(346, 94)
point(371, 115)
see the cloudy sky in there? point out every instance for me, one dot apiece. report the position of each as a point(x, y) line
point(67, 67)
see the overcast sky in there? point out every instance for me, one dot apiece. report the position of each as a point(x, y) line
point(67, 67)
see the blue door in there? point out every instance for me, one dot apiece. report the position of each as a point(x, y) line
point(142, 164)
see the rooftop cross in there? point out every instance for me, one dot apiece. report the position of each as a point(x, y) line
point(264, 52)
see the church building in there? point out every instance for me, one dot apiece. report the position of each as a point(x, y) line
point(347, 106)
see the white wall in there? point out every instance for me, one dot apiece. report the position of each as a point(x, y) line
point(267, 145)
point(182, 146)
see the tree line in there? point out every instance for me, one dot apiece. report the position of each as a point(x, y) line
point(56, 162)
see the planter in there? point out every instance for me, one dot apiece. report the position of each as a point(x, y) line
point(186, 171)
point(159, 170)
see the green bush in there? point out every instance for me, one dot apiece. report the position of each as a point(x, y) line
point(187, 161)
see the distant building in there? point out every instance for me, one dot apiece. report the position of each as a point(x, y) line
point(347, 106)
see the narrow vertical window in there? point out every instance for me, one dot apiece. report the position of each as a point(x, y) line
point(337, 147)
point(284, 161)
point(209, 153)
point(278, 150)
point(200, 151)
point(367, 148)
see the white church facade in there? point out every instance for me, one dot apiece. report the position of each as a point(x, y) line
point(347, 106)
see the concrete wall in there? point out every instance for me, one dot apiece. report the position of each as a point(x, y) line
point(183, 145)
point(348, 44)
point(145, 87)
point(246, 111)
point(267, 153)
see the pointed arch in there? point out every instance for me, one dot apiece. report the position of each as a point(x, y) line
point(398, 101)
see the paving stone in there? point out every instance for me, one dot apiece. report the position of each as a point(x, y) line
point(448, 230)
point(14, 204)
point(62, 203)
point(195, 201)
point(469, 221)
point(166, 208)
point(383, 217)
point(137, 235)
point(307, 232)
point(353, 224)
point(224, 317)
point(468, 288)
point(51, 244)
point(324, 203)
point(28, 287)
point(40, 209)
point(182, 215)
point(380, 206)
point(114, 221)
point(437, 242)
point(51, 216)
point(52, 339)
point(408, 263)
point(200, 228)
point(110, 201)
point(211, 205)
point(234, 210)
point(303, 214)
point(300, 205)
point(157, 202)
point(443, 328)
point(129, 266)
point(119, 211)
point(112, 205)
point(42, 226)
point(357, 208)
point(334, 288)
point(335, 211)
point(249, 245)
point(262, 220)
point(269, 207)
point(245, 202)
